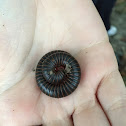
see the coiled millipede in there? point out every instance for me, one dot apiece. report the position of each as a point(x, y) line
point(58, 74)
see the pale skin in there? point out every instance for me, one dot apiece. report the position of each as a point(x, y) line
point(28, 30)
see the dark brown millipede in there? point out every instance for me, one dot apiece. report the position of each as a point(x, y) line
point(58, 74)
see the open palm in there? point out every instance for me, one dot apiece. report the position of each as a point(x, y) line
point(28, 30)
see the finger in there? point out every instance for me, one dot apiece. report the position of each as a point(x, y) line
point(112, 96)
point(90, 116)
point(58, 122)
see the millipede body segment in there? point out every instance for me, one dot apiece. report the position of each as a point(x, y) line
point(58, 74)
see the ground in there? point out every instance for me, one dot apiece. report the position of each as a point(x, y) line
point(118, 19)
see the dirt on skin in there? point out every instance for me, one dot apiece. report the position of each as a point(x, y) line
point(118, 19)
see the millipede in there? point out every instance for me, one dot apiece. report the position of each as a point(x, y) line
point(58, 74)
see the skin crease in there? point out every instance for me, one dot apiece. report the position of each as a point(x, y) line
point(28, 30)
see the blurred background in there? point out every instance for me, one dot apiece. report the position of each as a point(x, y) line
point(118, 41)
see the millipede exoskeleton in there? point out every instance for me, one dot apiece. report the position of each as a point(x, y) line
point(58, 74)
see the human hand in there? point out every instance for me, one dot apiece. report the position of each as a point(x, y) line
point(28, 30)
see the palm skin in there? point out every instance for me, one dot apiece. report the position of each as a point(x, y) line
point(32, 28)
